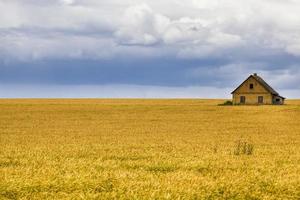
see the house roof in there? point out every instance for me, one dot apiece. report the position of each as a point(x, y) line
point(262, 82)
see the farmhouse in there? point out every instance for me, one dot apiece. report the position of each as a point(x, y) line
point(254, 90)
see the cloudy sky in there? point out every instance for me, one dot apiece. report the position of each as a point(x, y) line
point(147, 48)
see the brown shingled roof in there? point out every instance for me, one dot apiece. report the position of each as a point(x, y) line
point(262, 82)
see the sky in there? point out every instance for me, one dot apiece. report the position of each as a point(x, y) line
point(146, 48)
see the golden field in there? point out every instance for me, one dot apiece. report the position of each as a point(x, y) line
point(148, 149)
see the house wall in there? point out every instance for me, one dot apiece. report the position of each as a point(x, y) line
point(252, 98)
point(252, 94)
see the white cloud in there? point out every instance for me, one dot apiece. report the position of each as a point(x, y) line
point(24, 47)
point(140, 25)
point(67, 2)
point(193, 28)
point(241, 32)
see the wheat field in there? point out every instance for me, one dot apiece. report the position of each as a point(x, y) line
point(148, 149)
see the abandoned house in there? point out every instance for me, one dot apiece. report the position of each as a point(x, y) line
point(254, 90)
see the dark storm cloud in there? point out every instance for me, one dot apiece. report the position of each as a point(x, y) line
point(167, 72)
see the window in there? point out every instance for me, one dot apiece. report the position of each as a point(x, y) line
point(277, 101)
point(251, 86)
point(260, 99)
point(242, 99)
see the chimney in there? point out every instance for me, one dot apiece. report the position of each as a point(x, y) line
point(255, 74)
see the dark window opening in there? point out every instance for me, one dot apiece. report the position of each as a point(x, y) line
point(260, 99)
point(251, 86)
point(242, 99)
point(277, 100)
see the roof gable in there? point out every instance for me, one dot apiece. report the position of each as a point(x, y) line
point(261, 82)
point(265, 84)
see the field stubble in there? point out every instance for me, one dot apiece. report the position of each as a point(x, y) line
point(148, 149)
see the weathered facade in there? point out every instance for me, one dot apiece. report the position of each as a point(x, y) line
point(254, 90)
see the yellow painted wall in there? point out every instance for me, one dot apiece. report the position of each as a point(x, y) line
point(252, 94)
point(252, 98)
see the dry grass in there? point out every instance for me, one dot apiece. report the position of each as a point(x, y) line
point(148, 149)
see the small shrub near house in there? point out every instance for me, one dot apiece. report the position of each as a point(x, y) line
point(226, 103)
